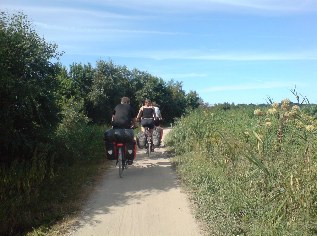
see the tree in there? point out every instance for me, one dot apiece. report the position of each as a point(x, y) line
point(192, 100)
point(28, 107)
point(176, 101)
point(110, 83)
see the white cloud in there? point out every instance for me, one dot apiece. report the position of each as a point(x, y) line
point(281, 6)
point(182, 6)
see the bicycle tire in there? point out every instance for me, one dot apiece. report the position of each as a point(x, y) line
point(120, 161)
point(149, 150)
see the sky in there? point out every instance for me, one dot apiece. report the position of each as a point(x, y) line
point(234, 51)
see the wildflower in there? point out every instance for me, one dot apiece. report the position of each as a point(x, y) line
point(299, 124)
point(268, 123)
point(275, 105)
point(286, 115)
point(271, 111)
point(285, 104)
point(294, 111)
point(310, 128)
point(258, 112)
point(295, 108)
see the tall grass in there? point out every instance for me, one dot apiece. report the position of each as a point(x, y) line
point(252, 172)
point(39, 192)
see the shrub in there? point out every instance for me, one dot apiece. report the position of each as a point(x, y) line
point(252, 175)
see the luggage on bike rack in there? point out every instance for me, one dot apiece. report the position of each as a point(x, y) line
point(131, 150)
point(110, 150)
point(119, 135)
point(156, 138)
point(141, 140)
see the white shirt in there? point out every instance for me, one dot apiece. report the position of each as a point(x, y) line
point(157, 112)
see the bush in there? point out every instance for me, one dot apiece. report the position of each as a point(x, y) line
point(250, 175)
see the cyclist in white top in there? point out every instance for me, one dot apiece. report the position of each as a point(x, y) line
point(158, 114)
point(158, 118)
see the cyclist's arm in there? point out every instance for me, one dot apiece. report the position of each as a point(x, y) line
point(159, 114)
point(138, 117)
point(134, 122)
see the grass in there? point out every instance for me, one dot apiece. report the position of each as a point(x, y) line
point(37, 194)
point(251, 172)
point(70, 191)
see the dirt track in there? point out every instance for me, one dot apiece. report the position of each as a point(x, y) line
point(147, 201)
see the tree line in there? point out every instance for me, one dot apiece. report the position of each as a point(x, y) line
point(38, 95)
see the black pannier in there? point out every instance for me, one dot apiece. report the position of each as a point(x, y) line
point(110, 150)
point(119, 135)
point(141, 140)
point(156, 138)
point(131, 150)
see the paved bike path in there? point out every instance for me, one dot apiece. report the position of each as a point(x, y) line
point(147, 201)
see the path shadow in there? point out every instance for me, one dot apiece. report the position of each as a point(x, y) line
point(147, 176)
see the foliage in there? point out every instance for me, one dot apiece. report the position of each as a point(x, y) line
point(74, 131)
point(39, 192)
point(48, 122)
point(252, 171)
point(102, 87)
point(27, 85)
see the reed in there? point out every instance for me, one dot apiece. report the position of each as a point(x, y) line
point(251, 171)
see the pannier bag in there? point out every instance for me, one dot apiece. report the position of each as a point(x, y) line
point(156, 138)
point(141, 139)
point(131, 150)
point(110, 150)
point(119, 135)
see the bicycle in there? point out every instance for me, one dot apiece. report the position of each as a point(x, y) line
point(120, 146)
point(148, 145)
point(121, 160)
point(122, 150)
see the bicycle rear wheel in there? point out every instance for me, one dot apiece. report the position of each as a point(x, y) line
point(149, 149)
point(120, 160)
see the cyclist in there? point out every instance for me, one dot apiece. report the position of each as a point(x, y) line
point(147, 115)
point(158, 118)
point(158, 115)
point(123, 117)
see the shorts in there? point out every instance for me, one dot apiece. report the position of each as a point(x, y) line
point(157, 122)
point(148, 123)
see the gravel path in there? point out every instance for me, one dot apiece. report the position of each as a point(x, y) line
point(147, 201)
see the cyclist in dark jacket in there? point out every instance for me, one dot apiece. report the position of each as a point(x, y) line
point(123, 115)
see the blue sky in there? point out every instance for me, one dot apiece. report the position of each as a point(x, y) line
point(240, 51)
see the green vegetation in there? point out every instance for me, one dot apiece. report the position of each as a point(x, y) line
point(251, 170)
point(52, 123)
